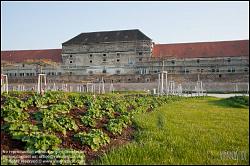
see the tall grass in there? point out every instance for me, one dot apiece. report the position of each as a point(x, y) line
point(192, 131)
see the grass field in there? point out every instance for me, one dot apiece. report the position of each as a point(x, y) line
point(193, 131)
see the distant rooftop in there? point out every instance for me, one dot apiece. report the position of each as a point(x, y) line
point(202, 49)
point(107, 36)
point(18, 56)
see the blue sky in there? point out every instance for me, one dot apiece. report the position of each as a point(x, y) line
point(42, 25)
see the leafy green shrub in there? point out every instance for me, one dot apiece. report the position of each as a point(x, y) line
point(13, 114)
point(42, 142)
point(114, 126)
point(52, 125)
point(88, 121)
point(19, 130)
point(67, 123)
point(95, 138)
point(242, 100)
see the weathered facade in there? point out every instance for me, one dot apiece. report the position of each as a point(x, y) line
point(129, 56)
point(112, 52)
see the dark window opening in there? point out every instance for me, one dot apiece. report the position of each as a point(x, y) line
point(90, 72)
point(229, 60)
point(246, 69)
point(140, 59)
point(118, 60)
point(118, 54)
point(90, 61)
point(70, 56)
point(129, 79)
point(90, 55)
point(119, 80)
point(229, 70)
point(70, 73)
point(140, 53)
point(217, 70)
point(202, 70)
point(52, 73)
point(213, 70)
point(23, 65)
point(104, 54)
point(198, 60)
point(118, 71)
point(104, 71)
point(15, 74)
point(104, 60)
point(233, 70)
point(173, 62)
point(219, 75)
point(28, 74)
point(70, 61)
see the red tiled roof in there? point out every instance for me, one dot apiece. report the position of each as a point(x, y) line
point(202, 49)
point(24, 55)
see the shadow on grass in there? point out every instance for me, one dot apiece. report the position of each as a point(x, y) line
point(234, 102)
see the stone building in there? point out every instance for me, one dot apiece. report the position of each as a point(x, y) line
point(129, 56)
point(110, 52)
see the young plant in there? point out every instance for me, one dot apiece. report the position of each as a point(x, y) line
point(88, 121)
point(95, 138)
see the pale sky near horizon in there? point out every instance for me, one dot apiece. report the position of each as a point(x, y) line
point(44, 25)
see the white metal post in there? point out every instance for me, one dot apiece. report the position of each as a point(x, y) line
point(159, 79)
point(162, 79)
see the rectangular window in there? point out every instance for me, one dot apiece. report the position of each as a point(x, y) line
point(140, 53)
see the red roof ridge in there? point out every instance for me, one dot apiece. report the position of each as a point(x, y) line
point(201, 42)
point(35, 49)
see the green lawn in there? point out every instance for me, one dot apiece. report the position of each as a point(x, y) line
point(192, 131)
